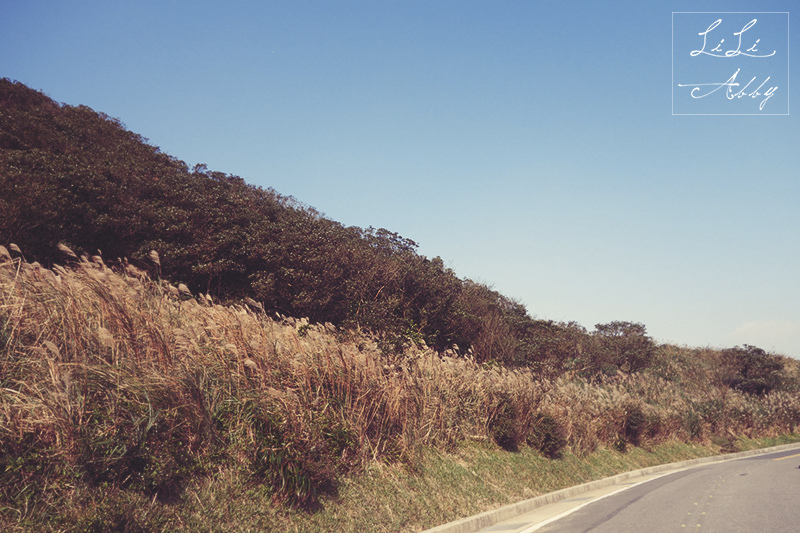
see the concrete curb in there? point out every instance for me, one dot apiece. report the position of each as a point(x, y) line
point(474, 523)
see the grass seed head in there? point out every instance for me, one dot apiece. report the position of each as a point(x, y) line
point(63, 248)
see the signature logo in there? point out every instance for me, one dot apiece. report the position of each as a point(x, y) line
point(729, 53)
point(720, 46)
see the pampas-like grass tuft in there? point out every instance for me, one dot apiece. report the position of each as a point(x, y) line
point(113, 379)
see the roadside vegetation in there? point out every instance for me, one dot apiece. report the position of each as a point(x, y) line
point(232, 355)
point(120, 392)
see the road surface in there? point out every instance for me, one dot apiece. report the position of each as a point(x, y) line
point(749, 495)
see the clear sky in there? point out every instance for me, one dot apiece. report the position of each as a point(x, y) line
point(530, 144)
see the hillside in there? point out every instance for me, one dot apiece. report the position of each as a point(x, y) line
point(73, 176)
point(77, 177)
point(164, 329)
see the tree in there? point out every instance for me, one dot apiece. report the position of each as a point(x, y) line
point(754, 371)
point(622, 346)
point(554, 347)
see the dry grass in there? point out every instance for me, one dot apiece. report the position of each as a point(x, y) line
point(115, 384)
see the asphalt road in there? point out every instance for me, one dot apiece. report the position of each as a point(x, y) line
point(750, 495)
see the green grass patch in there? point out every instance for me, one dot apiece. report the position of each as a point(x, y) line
point(382, 498)
point(444, 487)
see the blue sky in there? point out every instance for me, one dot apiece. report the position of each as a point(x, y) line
point(531, 145)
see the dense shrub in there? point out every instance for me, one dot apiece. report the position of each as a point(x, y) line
point(546, 435)
point(622, 346)
point(753, 370)
point(504, 425)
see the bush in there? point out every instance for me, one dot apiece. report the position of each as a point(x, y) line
point(622, 346)
point(297, 469)
point(633, 426)
point(693, 424)
point(504, 426)
point(546, 436)
point(754, 371)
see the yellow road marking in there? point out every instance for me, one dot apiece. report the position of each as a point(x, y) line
point(787, 457)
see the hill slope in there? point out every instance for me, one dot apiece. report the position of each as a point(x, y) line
point(74, 176)
point(119, 392)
